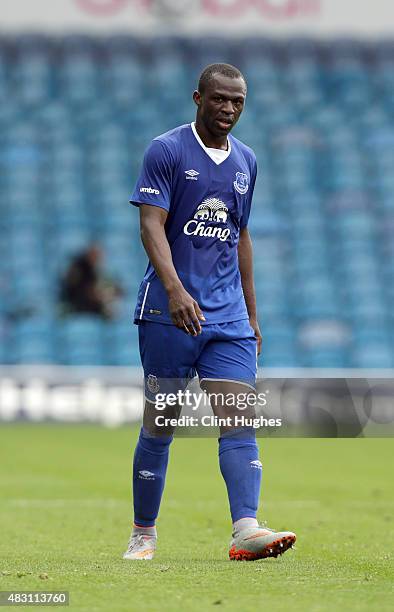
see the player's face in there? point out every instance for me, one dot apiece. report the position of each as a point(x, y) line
point(221, 104)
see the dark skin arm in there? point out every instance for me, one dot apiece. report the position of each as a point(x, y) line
point(245, 261)
point(184, 310)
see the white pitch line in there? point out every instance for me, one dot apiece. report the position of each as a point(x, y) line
point(60, 503)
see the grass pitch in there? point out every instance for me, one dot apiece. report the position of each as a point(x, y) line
point(65, 515)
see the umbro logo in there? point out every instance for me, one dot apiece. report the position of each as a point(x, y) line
point(149, 190)
point(191, 174)
point(146, 475)
point(256, 464)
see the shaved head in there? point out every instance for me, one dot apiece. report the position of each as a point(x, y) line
point(213, 70)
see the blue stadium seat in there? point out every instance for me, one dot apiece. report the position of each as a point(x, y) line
point(33, 341)
point(80, 341)
point(319, 117)
point(122, 342)
point(335, 357)
point(373, 354)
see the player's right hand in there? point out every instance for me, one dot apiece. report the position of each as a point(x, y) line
point(185, 312)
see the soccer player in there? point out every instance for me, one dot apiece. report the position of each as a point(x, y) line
point(196, 308)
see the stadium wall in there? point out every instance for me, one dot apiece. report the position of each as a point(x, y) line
point(319, 18)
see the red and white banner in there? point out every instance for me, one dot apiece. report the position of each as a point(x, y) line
point(235, 17)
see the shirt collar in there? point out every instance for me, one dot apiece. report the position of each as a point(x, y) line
point(208, 150)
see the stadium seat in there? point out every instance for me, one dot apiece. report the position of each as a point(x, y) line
point(80, 341)
point(33, 341)
point(320, 121)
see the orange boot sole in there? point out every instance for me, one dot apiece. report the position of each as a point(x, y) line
point(276, 548)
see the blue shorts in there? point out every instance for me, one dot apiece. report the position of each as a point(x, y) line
point(223, 351)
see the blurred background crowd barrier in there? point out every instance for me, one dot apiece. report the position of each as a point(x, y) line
point(78, 109)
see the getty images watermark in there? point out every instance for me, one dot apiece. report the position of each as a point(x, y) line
point(229, 402)
point(295, 407)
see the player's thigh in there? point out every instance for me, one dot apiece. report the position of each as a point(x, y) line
point(232, 402)
point(231, 354)
point(167, 355)
point(227, 370)
point(166, 348)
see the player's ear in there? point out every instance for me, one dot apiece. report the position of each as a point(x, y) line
point(197, 98)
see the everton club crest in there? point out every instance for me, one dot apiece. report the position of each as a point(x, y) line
point(241, 182)
point(152, 383)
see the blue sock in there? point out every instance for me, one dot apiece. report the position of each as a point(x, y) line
point(241, 470)
point(149, 473)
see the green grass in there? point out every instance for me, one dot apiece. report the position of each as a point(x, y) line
point(65, 511)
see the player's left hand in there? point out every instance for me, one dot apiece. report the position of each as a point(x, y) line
point(254, 324)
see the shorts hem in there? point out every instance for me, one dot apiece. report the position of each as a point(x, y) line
point(239, 382)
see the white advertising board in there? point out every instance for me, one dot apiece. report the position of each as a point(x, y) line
point(315, 18)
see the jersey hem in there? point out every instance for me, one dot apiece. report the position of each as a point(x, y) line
point(240, 317)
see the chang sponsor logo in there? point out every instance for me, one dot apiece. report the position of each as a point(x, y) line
point(210, 210)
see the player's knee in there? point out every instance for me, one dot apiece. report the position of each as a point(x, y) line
point(158, 423)
point(155, 431)
point(153, 443)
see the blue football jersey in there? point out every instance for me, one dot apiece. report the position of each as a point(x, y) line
point(208, 204)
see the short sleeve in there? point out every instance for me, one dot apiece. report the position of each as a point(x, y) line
point(154, 183)
point(249, 196)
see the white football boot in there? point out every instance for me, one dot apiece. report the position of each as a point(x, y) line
point(141, 547)
point(259, 542)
